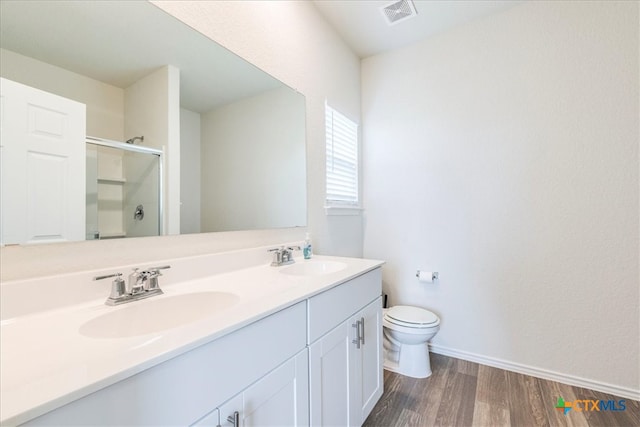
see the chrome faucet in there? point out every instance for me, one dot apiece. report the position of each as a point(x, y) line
point(282, 255)
point(135, 282)
point(140, 285)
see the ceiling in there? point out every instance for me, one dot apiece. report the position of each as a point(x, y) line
point(362, 25)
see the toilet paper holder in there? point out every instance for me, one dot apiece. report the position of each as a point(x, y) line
point(434, 275)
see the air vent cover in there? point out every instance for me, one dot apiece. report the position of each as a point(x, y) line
point(398, 11)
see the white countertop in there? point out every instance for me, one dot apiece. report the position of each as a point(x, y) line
point(45, 362)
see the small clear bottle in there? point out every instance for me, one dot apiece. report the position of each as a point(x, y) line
point(306, 247)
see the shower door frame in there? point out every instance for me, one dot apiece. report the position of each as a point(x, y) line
point(145, 150)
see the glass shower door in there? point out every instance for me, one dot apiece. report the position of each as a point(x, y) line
point(123, 192)
point(141, 195)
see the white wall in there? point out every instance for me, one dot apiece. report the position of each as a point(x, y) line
point(504, 154)
point(189, 171)
point(253, 163)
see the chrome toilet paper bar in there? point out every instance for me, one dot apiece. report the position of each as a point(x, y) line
point(427, 276)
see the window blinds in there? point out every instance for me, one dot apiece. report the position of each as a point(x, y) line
point(342, 159)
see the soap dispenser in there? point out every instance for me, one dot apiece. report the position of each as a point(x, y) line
point(306, 248)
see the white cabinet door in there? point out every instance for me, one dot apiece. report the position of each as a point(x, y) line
point(43, 166)
point(330, 374)
point(346, 375)
point(229, 408)
point(212, 419)
point(367, 380)
point(281, 398)
point(345, 364)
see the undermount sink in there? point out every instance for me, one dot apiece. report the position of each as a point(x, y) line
point(313, 268)
point(156, 315)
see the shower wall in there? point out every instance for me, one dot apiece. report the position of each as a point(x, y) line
point(110, 196)
point(117, 182)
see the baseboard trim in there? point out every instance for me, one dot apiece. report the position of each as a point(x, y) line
point(615, 390)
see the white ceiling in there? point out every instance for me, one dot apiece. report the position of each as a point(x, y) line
point(363, 27)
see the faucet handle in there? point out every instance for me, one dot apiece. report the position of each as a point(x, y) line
point(118, 288)
point(108, 276)
point(277, 256)
point(287, 254)
point(152, 277)
point(155, 269)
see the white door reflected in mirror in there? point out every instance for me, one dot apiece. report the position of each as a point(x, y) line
point(43, 166)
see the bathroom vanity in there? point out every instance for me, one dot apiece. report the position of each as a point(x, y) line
point(233, 341)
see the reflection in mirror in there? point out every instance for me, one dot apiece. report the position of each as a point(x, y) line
point(233, 136)
point(124, 190)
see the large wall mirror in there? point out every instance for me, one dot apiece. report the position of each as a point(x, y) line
point(233, 137)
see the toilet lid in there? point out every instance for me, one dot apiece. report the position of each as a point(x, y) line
point(411, 315)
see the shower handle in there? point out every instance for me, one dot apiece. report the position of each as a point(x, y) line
point(139, 213)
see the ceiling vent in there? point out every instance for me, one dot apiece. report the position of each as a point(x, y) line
point(398, 11)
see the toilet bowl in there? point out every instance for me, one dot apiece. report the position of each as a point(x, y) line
point(406, 331)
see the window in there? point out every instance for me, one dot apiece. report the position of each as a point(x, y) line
point(342, 160)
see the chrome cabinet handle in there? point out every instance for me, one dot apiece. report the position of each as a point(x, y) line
point(362, 332)
point(234, 419)
point(357, 340)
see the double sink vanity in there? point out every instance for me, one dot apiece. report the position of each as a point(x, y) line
point(231, 341)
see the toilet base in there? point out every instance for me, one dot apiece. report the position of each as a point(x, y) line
point(411, 361)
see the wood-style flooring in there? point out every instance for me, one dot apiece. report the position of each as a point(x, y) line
point(462, 393)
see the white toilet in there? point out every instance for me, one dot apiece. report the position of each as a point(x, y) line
point(406, 330)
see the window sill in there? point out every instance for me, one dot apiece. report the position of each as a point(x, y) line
point(343, 210)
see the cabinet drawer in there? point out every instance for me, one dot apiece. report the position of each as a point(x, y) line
point(330, 308)
point(184, 388)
